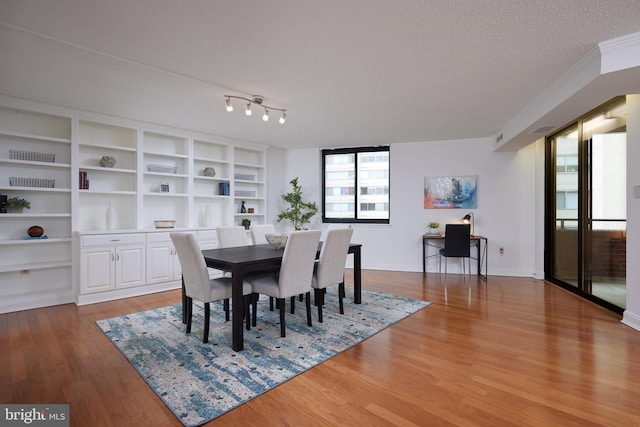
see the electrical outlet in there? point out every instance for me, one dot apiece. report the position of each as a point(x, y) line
point(501, 251)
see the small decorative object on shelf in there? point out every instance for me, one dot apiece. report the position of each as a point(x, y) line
point(3, 203)
point(223, 188)
point(243, 208)
point(250, 210)
point(246, 222)
point(162, 168)
point(16, 205)
point(107, 161)
point(35, 231)
point(165, 223)
point(433, 227)
point(32, 156)
point(83, 182)
point(209, 171)
point(278, 241)
point(18, 181)
point(111, 218)
point(164, 188)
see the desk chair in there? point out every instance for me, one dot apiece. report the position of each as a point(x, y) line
point(457, 244)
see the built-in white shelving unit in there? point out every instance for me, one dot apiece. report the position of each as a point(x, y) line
point(35, 164)
point(159, 174)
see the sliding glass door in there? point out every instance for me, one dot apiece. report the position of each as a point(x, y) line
point(586, 206)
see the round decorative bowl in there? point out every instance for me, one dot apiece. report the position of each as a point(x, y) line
point(35, 231)
point(208, 171)
point(278, 241)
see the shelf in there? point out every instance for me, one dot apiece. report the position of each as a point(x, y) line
point(209, 160)
point(108, 147)
point(38, 189)
point(35, 241)
point(35, 215)
point(249, 165)
point(30, 163)
point(36, 137)
point(34, 266)
point(108, 193)
point(171, 175)
point(106, 170)
point(166, 194)
point(211, 178)
point(171, 155)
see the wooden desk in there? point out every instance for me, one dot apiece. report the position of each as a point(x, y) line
point(243, 260)
point(437, 241)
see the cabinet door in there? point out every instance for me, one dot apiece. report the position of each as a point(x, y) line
point(177, 268)
point(98, 269)
point(160, 261)
point(130, 266)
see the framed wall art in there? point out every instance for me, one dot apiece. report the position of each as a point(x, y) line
point(450, 192)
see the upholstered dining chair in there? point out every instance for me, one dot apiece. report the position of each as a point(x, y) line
point(231, 236)
point(296, 272)
point(457, 242)
point(329, 269)
point(198, 284)
point(258, 232)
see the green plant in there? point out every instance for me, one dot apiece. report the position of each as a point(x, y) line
point(16, 202)
point(246, 222)
point(299, 212)
point(433, 224)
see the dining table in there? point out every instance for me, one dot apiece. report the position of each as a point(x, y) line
point(244, 260)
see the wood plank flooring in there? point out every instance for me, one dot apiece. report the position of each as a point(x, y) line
point(508, 352)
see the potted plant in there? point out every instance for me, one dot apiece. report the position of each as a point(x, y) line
point(433, 227)
point(299, 212)
point(16, 204)
point(246, 222)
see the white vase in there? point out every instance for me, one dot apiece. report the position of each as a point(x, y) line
point(111, 218)
point(208, 217)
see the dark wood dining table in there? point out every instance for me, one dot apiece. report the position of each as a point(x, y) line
point(244, 260)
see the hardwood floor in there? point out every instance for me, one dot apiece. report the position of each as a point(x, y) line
point(508, 352)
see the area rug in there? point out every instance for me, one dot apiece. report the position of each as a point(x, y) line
point(199, 382)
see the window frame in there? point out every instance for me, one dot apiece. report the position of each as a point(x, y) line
point(356, 193)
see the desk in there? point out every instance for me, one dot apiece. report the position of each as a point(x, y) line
point(243, 260)
point(437, 241)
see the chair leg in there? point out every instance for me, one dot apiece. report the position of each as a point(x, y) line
point(318, 299)
point(308, 301)
point(207, 315)
point(255, 308)
point(246, 300)
point(189, 312)
point(341, 293)
point(226, 309)
point(282, 325)
point(293, 305)
point(270, 303)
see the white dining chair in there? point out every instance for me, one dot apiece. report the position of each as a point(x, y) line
point(329, 269)
point(258, 232)
point(198, 284)
point(232, 236)
point(296, 272)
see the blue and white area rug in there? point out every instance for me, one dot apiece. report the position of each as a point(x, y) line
point(199, 382)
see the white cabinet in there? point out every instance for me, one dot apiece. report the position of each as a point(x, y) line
point(163, 264)
point(110, 262)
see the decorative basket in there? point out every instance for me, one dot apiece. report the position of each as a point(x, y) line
point(18, 181)
point(32, 156)
point(278, 241)
point(162, 168)
point(165, 223)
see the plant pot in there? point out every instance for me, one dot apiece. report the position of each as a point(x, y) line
point(15, 210)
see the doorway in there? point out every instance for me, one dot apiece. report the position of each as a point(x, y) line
point(585, 244)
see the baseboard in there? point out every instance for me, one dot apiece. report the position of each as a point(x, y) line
point(631, 319)
point(126, 293)
point(36, 301)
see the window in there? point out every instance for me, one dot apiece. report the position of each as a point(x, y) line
point(356, 185)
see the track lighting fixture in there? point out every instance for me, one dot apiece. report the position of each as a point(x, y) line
point(256, 99)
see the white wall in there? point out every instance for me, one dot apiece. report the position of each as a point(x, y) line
point(632, 314)
point(505, 214)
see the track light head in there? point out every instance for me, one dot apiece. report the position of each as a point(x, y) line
point(283, 118)
point(265, 116)
point(247, 111)
point(229, 105)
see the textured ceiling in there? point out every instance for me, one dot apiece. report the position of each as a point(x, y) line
point(349, 72)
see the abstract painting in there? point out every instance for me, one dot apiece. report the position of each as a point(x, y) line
point(450, 192)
